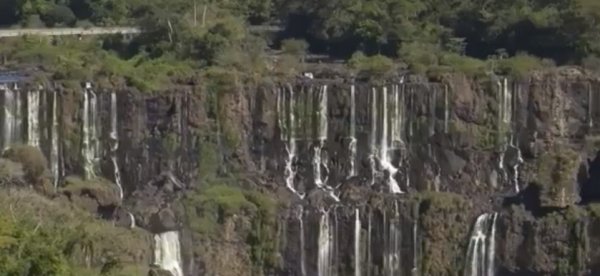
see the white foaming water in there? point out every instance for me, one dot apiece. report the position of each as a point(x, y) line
point(33, 111)
point(352, 145)
point(384, 156)
point(90, 138)
point(12, 116)
point(167, 254)
point(114, 136)
point(357, 260)
point(482, 247)
point(324, 264)
point(54, 158)
point(289, 137)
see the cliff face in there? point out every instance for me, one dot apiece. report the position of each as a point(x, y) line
point(368, 179)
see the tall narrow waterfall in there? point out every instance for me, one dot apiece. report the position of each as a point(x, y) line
point(12, 116)
point(167, 252)
point(373, 136)
point(114, 136)
point(391, 262)
point(325, 258)
point(357, 228)
point(288, 129)
point(352, 145)
point(446, 109)
point(54, 151)
point(302, 253)
point(33, 111)
point(321, 137)
point(482, 247)
point(384, 154)
point(89, 129)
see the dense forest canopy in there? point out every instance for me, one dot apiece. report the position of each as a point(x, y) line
point(420, 33)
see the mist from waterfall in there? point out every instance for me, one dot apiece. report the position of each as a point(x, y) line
point(114, 136)
point(482, 247)
point(90, 136)
point(167, 252)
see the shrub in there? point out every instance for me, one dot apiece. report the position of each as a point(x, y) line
point(57, 15)
point(294, 47)
point(556, 176)
point(33, 161)
point(521, 65)
point(376, 66)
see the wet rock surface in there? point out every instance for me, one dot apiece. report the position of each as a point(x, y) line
point(418, 162)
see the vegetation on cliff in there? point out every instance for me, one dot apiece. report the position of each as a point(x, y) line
point(426, 36)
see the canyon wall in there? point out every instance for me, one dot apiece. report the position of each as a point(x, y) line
point(407, 177)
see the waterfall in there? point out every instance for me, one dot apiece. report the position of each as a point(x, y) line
point(289, 137)
point(352, 145)
point(54, 155)
point(321, 136)
point(324, 263)
point(482, 247)
point(12, 116)
point(415, 269)
point(446, 109)
point(373, 137)
point(167, 254)
point(302, 254)
point(131, 220)
point(90, 138)
point(384, 157)
point(357, 260)
point(392, 246)
point(33, 111)
point(114, 136)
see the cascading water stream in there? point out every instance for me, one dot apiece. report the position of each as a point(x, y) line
point(482, 247)
point(33, 111)
point(289, 137)
point(373, 137)
point(131, 220)
point(324, 263)
point(357, 227)
point(384, 155)
point(321, 136)
point(352, 145)
point(392, 247)
point(302, 253)
point(114, 136)
point(54, 155)
point(167, 252)
point(90, 139)
point(12, 117)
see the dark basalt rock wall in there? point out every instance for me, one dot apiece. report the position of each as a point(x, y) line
point(457, 148)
